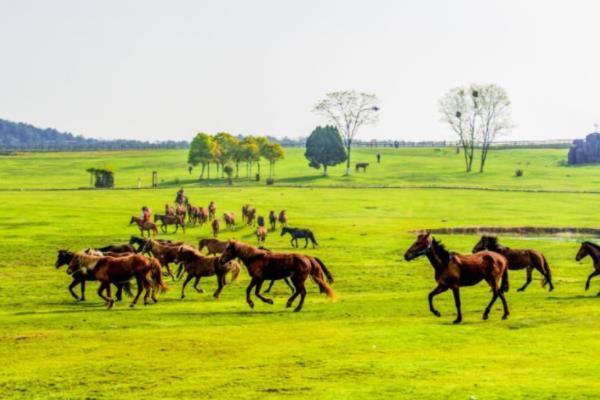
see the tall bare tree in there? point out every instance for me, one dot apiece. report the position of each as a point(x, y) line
point(348, 111)
point(494, 115)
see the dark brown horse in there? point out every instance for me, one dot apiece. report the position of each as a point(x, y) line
point(263, 265)
point(251, 216)
point(166, 220)
point(272, 220)
point(147, 273)
point(166, 253)
point(518, 259)
point(454, 270)
point(283, 220)
point(147, 226)
point(198, 265)
point(214, 246)
point(216, 226)
point(212, 211)
point(65, 257)
point(592, 250)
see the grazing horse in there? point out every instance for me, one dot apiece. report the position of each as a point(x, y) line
point(198, 265)
point(454, 270)
point(65, 257)
point(213, 246)
point(147, 226)
point(212, 211)
point(216, 226)
point(118, 269)
point(261, 235)
point(362, 165)
point(166, 253)
point(518, 259)
point(282, 218)
point(592, 250)
point(166, 220)
point(263, 265)
point(296, 234)
point(272, 220)
point(229, 219)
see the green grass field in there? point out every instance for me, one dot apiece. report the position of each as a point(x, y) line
point(377, 340)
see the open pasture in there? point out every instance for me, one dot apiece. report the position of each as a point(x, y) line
point(376, 340)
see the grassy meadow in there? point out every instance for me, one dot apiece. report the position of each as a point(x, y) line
point(377, 340)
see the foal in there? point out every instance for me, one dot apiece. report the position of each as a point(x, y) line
point(592, 250)
point(453, 270)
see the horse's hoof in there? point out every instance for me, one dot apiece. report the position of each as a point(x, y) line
point(288, 305)
point(436, 313)
point(251, 304)
point(505, 316)
point(297, 309)
point(521, 289)
point(457, 321)
point(269, 301)
point(132, 305)
point(485, 316)
point(551, 288)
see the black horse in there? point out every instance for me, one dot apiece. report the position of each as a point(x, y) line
point(296, 233)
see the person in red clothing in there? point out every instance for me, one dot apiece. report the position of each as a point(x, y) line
point(145, 214)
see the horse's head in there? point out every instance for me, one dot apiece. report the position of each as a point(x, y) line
point(230, 252)
point(420, 247)
point(73, 265)
point(132, 220)
point(284, 230)
point(583, 252)
point(64, 257)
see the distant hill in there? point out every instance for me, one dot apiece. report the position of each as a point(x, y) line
point(21, 136)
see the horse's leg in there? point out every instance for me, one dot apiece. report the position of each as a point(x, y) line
point(249, 291)
point(270, 286)
point(72, 285)
point(496, 292)
point(292, 241)
point(305, 242)
point(83, 289)
point(528, 281)
point(260, 296)
point(295, 293)
point(287, 282)
point(199, 290)
point(119, 294)
point(302, 290)
point(504, 305)
point(111, 302)
point(139, 283)
point(456, 293)
point(101, 288)
point(220, 285)
point(188, 278)
point(439, 289)
point(593, 274)
point(170, 272)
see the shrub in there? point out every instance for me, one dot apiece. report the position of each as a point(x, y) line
point(270, 181)
point(519, 173)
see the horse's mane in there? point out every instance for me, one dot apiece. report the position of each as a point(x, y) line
point(594, 245)
point(440, 250)
point(246, 250)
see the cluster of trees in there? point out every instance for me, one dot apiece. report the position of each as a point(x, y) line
point(20, 136)
point(226, 151)
point(478, 114)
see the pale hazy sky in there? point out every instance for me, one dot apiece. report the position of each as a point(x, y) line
point(168, 69)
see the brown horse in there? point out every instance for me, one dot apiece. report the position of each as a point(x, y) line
point(197, 265)
point(166, 253)
point(263, 265)
point(118, 269)
point(147, 226)
point(518, 259)
point(216, 226)
point(244, 209)
point(202, 216)
point(65, 257)
point(229, 219)
point(261, 235)
point(251, 216)
point(454, 270)
point(272, 220)
point(592, 250)
point(212, 211)
point(166, 220)
point(181, 211)
point(213, 246)
point(282, 218)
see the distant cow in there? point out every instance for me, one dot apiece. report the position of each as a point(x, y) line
point(362, 165)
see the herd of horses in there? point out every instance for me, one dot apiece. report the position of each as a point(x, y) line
point(144, 258)
point(489, 262)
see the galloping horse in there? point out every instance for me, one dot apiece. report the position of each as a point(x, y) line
point(282, 218)
point(147, 226)
point(229, 219)
point(197, 265)
point(166, 253)
point(263, 265)
point(166, 220)
point(453, 270)
point(65, 257)
point(213, 246)
point(518, 259)
point(118, 269)
point(592, 250)
point(261, 235)
point(296, 234)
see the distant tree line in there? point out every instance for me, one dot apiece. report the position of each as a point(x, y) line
point(228, 153)
point(21, 136)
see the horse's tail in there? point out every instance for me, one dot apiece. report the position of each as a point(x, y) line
point(318, 276)
point(325, 270)
point(235, 271)
point(157, 277)
point(548, 273)
point(312, 239)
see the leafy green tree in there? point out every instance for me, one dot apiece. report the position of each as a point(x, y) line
point(203, 150)
point(228, 145)
point(324, 147)
point(250, 152)
point(262, 142)
point(273, 152)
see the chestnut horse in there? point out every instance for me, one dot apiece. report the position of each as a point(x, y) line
point(454, 270)
point(147, 226)
point(118, 269)
point(261, 235)
point(592, 250)
point(198, 265)
point(166, 253)
point(166, 220)
point(213, 246)
point(263, 265)
point(229, 219)
point(282, 218)
point(216, 226)
point(212, 211)
point(518, 259)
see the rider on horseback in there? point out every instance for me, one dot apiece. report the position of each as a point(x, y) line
point(145, 214)
point(181, 197)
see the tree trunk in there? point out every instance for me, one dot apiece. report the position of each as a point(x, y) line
point(484, 152)
point(348, 147)
point(237, 169)
point(208, 170)
point(324, 169)
point(202, 172)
